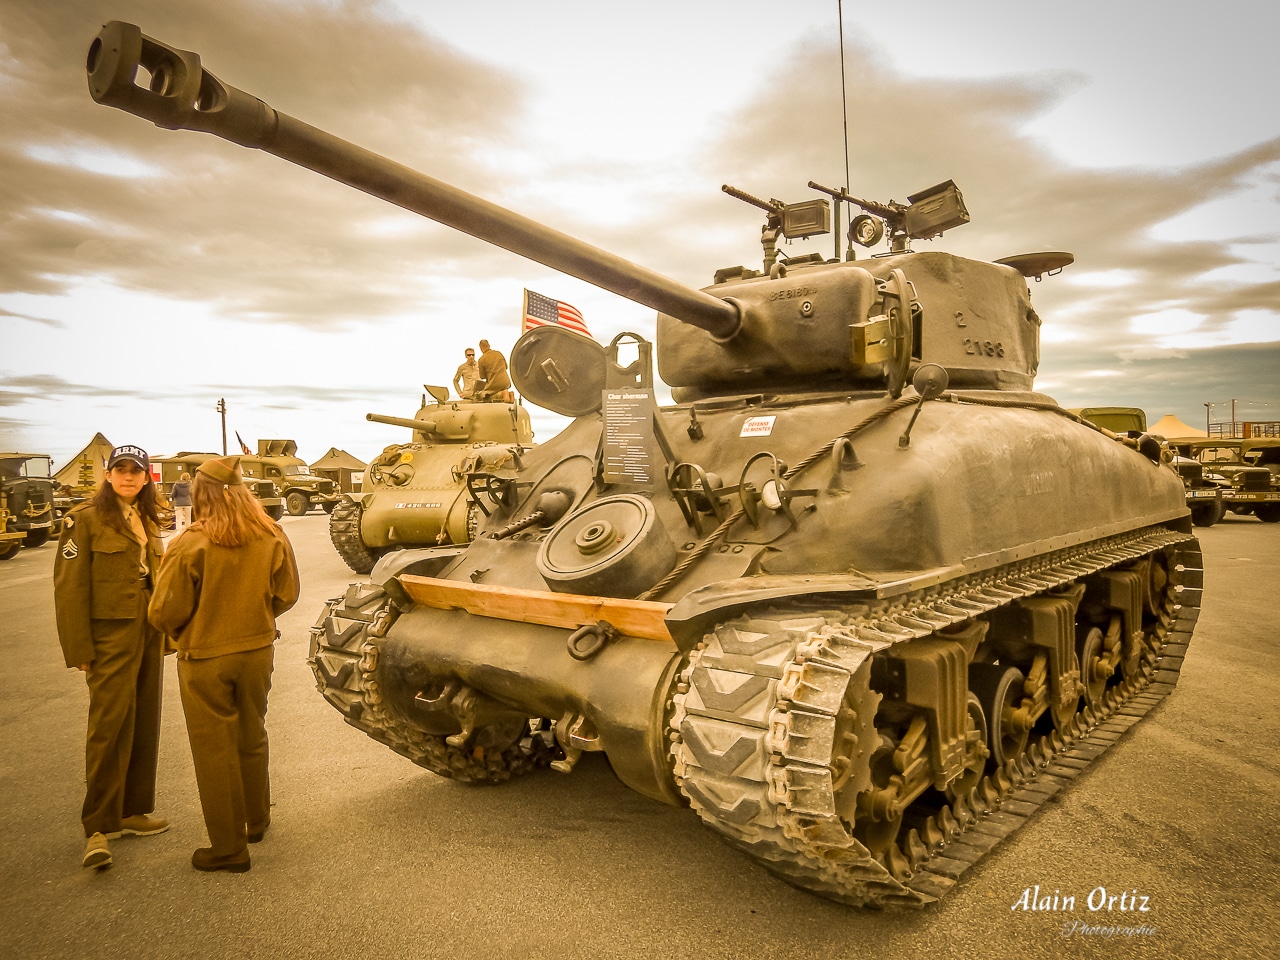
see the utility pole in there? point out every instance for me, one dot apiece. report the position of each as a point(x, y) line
point(222, 409)
point(1233, 417)
point(1208, 407)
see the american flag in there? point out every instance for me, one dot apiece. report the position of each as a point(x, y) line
point(540, 311)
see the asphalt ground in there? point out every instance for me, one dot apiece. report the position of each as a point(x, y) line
point(371, 856)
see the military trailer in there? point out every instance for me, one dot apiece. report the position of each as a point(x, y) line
point(432, 490)
point(860, 597)
point(172, 469)
point(1251, 467)
point(27, 483)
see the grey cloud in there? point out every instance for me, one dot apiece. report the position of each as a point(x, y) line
point(218, 224)
point(43, 321)
point(19, 389)
point(267, 243)
point(16, 389)
point(1178, 381)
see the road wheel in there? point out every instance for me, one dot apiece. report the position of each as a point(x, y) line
point(999, 691)
point(9, 550)
point(35, 538)
point(297, 503)
point(275, 512)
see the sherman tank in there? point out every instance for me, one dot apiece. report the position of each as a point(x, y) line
point(860, 598)
point(433, 490)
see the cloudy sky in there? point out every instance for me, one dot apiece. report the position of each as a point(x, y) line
point(144, 274)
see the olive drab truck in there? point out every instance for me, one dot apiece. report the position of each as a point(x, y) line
point(860, 598)
point(435, 489)
point(26, 497)
point(278, 462)
point(1247, 469)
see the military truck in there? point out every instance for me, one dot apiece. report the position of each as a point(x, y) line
point(1251, 468)
point(429, 492)
point(172, 469)
point(277, 461)
point(27, 481)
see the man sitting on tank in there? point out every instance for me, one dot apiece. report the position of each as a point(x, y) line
point(494, 385)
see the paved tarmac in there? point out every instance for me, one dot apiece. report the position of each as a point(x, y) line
point(371, 856)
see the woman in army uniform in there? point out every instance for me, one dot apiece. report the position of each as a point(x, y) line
point(224, 581)
point(108, 552)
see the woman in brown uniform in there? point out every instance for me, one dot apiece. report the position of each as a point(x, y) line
point(108, 552)
point(223, 582)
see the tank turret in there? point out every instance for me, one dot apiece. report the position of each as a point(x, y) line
point(429, 492)
point(856, 591)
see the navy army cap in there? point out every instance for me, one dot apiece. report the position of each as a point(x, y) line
point(129, 452)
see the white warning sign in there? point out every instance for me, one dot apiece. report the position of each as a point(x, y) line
point(757, 427)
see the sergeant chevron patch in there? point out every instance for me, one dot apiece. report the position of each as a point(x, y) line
point(69, 550)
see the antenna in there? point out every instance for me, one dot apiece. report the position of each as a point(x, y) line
point(844, 113)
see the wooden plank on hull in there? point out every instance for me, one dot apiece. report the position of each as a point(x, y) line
point(633, 618)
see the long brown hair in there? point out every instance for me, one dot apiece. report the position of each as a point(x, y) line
point(228, 514)
point(107, 504)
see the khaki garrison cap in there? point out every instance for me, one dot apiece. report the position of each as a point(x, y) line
point(223, 469)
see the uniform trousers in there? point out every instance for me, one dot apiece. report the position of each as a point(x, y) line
point(123, 742)
point(225, 701)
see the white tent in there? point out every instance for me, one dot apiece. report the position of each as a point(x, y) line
point(1171, 428)
point(88, 468)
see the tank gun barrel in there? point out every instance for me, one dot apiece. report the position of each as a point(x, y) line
point(182, 95)
point(424, 426)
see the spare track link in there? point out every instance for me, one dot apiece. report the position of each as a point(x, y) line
point(344, 658)
point(344, 533)
point(768, 785)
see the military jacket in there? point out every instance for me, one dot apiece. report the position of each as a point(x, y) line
point(97, 575)
point(218, 600)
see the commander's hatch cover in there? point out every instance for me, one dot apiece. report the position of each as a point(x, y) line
point(560, 370)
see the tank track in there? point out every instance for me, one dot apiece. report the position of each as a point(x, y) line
point(764, 704)
point(344, 531)
point(344, 658)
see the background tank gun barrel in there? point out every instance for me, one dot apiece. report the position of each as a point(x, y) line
point(424, 426)
point(184, 96)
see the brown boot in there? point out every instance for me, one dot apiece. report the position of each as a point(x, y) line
point(96, 852)
point(140, 825)
point(205, 859)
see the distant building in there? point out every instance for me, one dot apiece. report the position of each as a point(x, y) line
point(342, 468)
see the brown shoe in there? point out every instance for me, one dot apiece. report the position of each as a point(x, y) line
point(140, 825)
point(96, 852)
point(205, 859)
